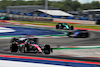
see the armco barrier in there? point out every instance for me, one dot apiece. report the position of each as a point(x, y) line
point(42, 19)
point(65, 22)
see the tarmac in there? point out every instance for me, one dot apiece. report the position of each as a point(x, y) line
point(94, 52)
point(78, 52)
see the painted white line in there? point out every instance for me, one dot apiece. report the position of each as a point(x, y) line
point(6, 37)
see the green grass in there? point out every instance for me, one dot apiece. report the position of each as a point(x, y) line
point(86, 26)
point(37, 22)
point(54, 24)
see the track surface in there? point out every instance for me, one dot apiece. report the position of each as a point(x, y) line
point(93, 40)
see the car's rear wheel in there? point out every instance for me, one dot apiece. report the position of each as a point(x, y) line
point(69, 33)
point(85, 35)
point(14, 48)
point(57, 26)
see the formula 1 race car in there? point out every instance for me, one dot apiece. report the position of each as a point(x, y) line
point(29, 45)
point(79, 33)
point(64, 26)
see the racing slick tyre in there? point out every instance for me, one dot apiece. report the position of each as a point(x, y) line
point(87, 35)
point(57, 26)
point(71, 28)
point(14, 48)
point(69, 33)
point(47, 49)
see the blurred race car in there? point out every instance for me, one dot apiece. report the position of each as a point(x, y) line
point(64, 26)
point(29, 45)
point(79, 33)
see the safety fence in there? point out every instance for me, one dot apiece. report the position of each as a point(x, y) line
point(6, 16)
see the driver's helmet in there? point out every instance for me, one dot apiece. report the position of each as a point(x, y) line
point(64, 23)
point(15, 39)
point(30, 39)
point(22, 41)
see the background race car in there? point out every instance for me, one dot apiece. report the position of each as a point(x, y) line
point(79, 34)
point(28, 45)
point(64, 26)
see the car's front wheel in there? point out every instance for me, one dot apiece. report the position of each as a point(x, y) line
point(71, 28)
point(47, 49)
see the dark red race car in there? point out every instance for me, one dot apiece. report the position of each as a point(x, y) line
point(29, 45)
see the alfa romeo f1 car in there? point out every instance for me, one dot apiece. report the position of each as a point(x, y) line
point(27, 45)
point(64, 26)
point(79, 34)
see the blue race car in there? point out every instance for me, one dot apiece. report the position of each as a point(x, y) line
point(79, 33)
point(64, 26)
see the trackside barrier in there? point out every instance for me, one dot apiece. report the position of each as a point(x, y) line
point(65, 22)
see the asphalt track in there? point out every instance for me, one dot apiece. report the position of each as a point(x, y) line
point(93, 40)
